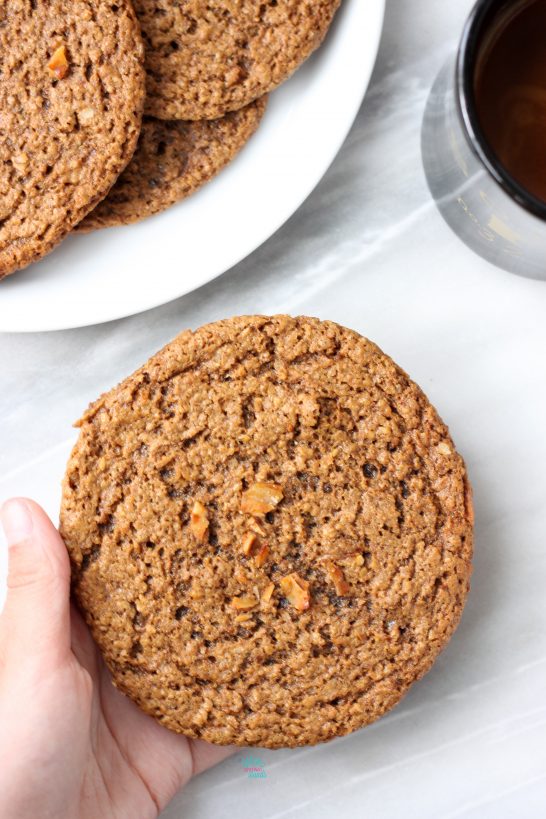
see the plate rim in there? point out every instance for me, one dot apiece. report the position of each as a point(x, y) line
point(259, 238)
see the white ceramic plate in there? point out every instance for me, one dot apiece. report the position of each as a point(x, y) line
point(121, 271)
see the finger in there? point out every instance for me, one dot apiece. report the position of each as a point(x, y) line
point(35, 622)
point(81, 642)
point(206, 755)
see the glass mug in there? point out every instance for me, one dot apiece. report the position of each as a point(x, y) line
point(482, 203)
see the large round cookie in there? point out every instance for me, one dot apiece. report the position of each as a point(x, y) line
point(270, 532)
point(172, 161)
point(204, 59)
point(71, 97)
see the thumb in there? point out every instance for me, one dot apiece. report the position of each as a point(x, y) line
point(35, 622)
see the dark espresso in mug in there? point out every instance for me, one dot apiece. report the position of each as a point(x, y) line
point(510, 92)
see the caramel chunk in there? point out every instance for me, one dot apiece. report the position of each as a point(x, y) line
point(245, 617)
point(199, 522)
point(261, 555)
point(245, 603)
point(58, 65)
point(261, 498)
point(256, 527)
point(338, 579)
point(296, 591)
point(268, 592)
point(248, 543)
point(240, 576)
point(251, 546)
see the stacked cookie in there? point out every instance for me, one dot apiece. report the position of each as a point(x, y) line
point(110, 113)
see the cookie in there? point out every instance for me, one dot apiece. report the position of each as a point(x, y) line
point(71, 100)
point(172, 161)
point(205, 59)
point(270, 532)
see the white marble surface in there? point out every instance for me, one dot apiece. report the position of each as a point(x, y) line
point(369, 250)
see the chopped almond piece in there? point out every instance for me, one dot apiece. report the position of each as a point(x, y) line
point(248, 543)
point(268, 592)
point(336, 576)
point(358, 560)
point(244, 603)
point(261, 556)
point(243, 618)
point(58, 65)
point(261, 498)
point(296, 591)
point(199, 522)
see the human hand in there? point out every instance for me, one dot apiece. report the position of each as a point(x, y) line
point(72, 746)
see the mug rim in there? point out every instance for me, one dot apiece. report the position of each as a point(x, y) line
point(467, 109)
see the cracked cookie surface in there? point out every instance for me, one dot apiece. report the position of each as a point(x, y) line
point(71, 98)
point(205, 59)
point(270, 532)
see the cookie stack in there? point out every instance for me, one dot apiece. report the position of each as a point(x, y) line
point(110, 113)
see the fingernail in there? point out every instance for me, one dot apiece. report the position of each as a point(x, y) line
point(16, 521)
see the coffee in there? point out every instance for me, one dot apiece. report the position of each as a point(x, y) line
point(510, 92)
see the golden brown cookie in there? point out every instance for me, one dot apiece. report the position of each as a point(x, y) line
point(71, 97)
point(204, 59)
point(270, 532)
point(172, 161)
